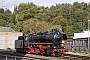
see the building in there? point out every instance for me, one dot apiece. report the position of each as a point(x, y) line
point(8, 37)
point(69, 43)
point(80, 41)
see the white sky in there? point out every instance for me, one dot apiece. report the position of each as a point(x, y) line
point(10, 3)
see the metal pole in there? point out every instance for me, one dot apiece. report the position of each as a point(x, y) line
point(15, 2)
point(15, 58)
point(6, 57)
point(88, 33)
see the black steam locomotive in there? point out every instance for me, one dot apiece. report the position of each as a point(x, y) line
point(44, 43)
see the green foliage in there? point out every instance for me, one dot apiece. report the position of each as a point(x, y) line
point(3, 22)
point(16, 27)
point(69, 29)
point(2, 16)
point(8, 15)
point(58, 27)
point(1, 10)
point(33, 26)
point(30, 18)
point(20, 17)
point(60, 20)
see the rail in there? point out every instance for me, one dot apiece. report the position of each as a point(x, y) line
point(8, 57)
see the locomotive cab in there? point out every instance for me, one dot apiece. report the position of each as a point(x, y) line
point(21, 42)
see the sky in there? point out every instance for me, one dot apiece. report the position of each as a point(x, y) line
point(11, 3)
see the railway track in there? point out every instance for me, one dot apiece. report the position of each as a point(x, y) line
point(38, 57)
point(9, 57)
point(18, 56)
point(76, 57)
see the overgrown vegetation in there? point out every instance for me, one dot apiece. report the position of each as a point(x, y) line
point(30, 18)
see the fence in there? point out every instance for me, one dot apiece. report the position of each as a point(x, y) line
point(77, 46)
point(7, 57)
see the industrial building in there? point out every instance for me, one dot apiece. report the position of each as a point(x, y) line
point(80, 42)
point(8, 37)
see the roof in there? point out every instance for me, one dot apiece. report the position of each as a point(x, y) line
point(6, 29)
point(84, 34)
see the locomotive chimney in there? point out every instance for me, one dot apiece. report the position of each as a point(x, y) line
point(54, 30)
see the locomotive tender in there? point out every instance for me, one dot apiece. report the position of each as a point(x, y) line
point(44, 43)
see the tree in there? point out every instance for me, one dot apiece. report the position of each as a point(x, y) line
point(58, 27)
point(19, 17)
point(69, 30)
point(8, 15)
point(3, 22)
point(30, 18)
point(29, 26)
point(32, 26)
point(60, 20)
point(1, 10)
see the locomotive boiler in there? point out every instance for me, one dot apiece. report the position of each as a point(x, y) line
point(44, 43)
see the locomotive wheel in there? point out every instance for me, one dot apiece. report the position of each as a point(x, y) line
point(57, 54)
point(47, 51)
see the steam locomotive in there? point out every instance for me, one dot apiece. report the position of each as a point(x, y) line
point(44, 43)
